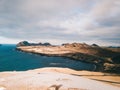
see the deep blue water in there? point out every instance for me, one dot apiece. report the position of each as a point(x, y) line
point(11, 59)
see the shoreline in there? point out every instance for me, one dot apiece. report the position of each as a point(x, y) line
point(81, 52)
point(57, 55)
point(64, 52)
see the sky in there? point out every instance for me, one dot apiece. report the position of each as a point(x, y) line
point(60, 21)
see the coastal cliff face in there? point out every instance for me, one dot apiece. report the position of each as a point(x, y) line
point(104, 59)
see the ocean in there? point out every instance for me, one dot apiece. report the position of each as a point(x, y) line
point(13, 60)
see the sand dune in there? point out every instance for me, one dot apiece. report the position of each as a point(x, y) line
point(50, 78)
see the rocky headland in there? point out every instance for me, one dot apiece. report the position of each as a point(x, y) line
point(105, 59)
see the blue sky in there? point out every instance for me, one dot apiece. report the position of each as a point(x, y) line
point(60, 21)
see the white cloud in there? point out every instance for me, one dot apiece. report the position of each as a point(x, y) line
point(5, 40)
point(61, 20)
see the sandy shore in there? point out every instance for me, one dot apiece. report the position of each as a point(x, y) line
point(63, 78)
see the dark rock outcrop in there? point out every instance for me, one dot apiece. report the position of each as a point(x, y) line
point(115, 68)
point(116, 59)
point(94, 45)
point(26, 43)
point(46, 44)
point(23, 43)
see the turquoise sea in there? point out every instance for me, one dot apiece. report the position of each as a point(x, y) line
point(13, 60)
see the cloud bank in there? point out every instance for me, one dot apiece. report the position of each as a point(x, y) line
point(59, 21)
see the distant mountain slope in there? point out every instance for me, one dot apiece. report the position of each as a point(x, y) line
point(91, 50)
